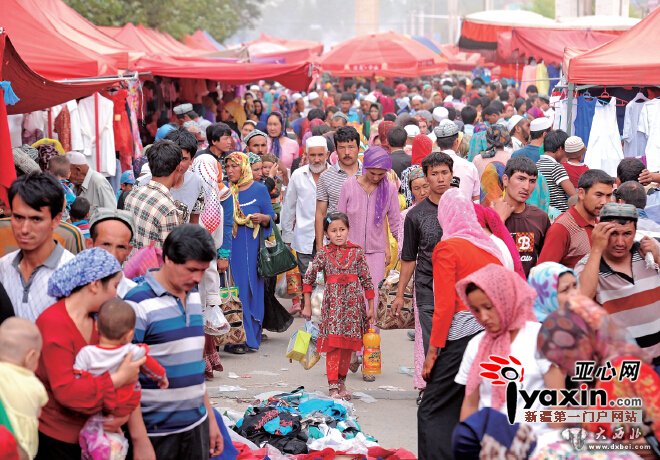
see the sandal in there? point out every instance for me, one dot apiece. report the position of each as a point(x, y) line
point(344, 393)
point(368, 378)
point(419, 398)
point(236, 349)
point(355, 363)
point(334, 392)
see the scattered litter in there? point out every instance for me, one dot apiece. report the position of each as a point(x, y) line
point(390, 388)
point(266, 395)
point(282, 384)
point(232, 375)
point(264, 373)
point(284, 369)
point(364, 397)
point(406, 370)
point(229, 388)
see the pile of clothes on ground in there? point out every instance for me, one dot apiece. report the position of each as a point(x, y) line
point(299, 423)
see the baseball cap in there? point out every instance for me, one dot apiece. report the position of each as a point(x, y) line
point(102, 214)
point(573, 144)
point(127, 177)
point(540, 124)
point(513, 121)
point(618, 211)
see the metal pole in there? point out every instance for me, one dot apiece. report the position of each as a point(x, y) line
point(569, 109)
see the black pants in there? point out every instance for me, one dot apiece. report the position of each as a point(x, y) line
point(440, 409)
point(53, 449)
point(191, 444)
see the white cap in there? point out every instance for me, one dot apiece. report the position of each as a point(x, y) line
point(412, 130)
point(76, 158)
point(440, 113)
point(145, 169)
point(255, 88)
point(449, 98)
point(295, 97)
point(312, 96)
point(417, 97)
point(573, 144)
point(316, 141)
point(540, 124)
point(370, 98)
point(513, 121)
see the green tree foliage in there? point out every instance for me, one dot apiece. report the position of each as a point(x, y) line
point(544, 7)
point(221, 18)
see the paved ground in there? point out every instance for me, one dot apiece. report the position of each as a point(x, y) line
point(392, 418)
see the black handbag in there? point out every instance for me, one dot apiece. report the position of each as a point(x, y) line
point(276, 259)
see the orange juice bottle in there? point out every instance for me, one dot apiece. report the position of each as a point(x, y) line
point(371, 355)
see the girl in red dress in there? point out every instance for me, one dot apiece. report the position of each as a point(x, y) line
point(343, 318)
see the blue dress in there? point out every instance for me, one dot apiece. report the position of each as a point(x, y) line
point(244, 251)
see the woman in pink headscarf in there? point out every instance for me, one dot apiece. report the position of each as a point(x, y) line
point(503, 303)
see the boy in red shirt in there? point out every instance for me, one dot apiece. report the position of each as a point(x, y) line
point(575, 150)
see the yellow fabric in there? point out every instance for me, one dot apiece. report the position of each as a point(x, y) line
point(542, 83)
point(54, 142)
point(243, 161)
point(238, 112)
point(23, 396)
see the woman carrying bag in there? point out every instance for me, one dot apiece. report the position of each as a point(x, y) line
point(252, 212)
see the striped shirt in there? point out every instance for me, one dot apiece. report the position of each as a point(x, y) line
point(329, 185)
point(568, 239)
point(633, 302)
point(555, 173)
point(30, 297)
point(155, 213)
point(175, 335)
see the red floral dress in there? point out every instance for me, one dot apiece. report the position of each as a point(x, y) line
point(347, 284)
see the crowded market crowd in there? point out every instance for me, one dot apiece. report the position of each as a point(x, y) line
point(469, 191)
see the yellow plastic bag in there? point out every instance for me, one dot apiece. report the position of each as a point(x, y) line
point(298, 345)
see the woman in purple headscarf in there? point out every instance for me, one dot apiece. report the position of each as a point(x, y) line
point(367, 200)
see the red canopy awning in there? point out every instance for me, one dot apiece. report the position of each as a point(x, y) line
point(149, 41)
point(387, 55)
point(201, 40)
point(548, 44)
point(461, 60)
point(271, 48)
point(47, 51)
point(630, 59)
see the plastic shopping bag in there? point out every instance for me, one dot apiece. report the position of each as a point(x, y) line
point(311, 357)
point(298, 345)
point(281, 288)
point(215, 322)
point(98, 444)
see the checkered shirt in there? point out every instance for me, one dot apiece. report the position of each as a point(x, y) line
point(155, 214)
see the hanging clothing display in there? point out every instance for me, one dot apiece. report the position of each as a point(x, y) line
point(562, 119)
point(584, 117)
point(634, 142)
point(604, 148)
point(62, 128)
point(649, 125)
point(96, 117)
point(134, 108)
point(35, 126)
point(121, 127)
point(77, 142)
point(16, 129)
point(528, 77)
point(542, 83)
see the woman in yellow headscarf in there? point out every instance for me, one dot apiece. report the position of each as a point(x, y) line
point(235, 115)
point(252, 213)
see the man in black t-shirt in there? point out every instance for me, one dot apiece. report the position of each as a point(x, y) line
point(527, 224)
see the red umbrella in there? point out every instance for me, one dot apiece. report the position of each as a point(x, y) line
point(387, 55)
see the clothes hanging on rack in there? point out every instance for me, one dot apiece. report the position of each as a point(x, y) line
point(604, 148)
point(542, 83)
point(528, 77)
point(649, 125)
point(62, 126)
point(16, 129)
point(634, 142)
point(584, 117)
point(121, 128)
point(101, 158)
point(562, 120)
point(135, 108)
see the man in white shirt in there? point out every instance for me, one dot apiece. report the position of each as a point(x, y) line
point(36, 201)
point(446, 134)
point(91, 184)
point(519, 130)
point(299, 207)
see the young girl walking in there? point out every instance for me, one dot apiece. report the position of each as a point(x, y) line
point(343, 318)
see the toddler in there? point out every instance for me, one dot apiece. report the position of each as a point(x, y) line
point(21, 392)
point(79, 213)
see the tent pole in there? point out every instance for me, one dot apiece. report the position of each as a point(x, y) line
point(569, 109)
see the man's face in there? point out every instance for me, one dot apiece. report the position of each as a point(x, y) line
point(317, 157)
point(258, 145)
point(437, 99)
point(316, 102)
point(347, 153)
point(300, 105)
point(524, 128)
point(416, 104)
point(509, 111)
point(32, 228)
point(345, 106)
point(184, 276)
point(439, 179)
point(224, 144)
point(544, 105)
point(492, 118)
point(519, 186)
point(364, 106)
point(595, 198)
point(621, 240)
point(337, 122)
point(77, 175)
point(427, 93)
point(115, 237)
point(186, 162)
point(423, 126)
point(489, 93)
